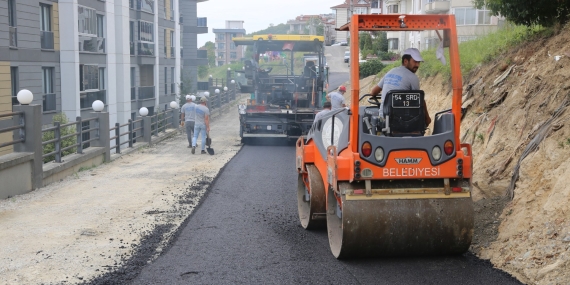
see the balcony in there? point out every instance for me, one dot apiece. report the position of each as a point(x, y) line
point(46, 39)
point(146, 49)
point(375, 11)
point(146, 6)
point(146, 92)
point(49, 102)
point(13, 36)
point(437, 6)
point(91, 44)
point(86, 99)
point(132, 48)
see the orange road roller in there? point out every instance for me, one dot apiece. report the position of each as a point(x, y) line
point(370, 175)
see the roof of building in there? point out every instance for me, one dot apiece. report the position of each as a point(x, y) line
point(354, 4)
point(238, 31)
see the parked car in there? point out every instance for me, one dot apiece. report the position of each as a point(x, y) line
point(343, 43)
point(346, 56)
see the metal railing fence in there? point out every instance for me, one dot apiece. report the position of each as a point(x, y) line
point(20, 126)
point(61, 146)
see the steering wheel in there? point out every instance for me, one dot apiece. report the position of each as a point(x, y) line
point(372, 100)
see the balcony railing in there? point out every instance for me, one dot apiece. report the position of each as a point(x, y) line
point(91, 44)
point(146, 5)
point(202, 22)
point(46, 39)
point(146, 49)
point(132, 48)
point(49, 103)
point(13, 36)
point(133, 93)
point(437, 6)
point(86, 99)
point(146, 92)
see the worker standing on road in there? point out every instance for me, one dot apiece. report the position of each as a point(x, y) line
point(337, 98)
point(402, 78)
point(326, 109)
point(188, 117)
point(202, 124)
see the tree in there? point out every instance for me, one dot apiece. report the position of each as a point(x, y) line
point(64, 131)
point(211, 50)
point(185, 85)
point(523, 12)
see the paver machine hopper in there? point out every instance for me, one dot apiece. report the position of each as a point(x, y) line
point(379, 185)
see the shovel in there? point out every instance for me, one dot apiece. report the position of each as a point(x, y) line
point(208, 143)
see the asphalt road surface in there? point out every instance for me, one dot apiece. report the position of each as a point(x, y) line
point(246, 231)
point(338, 70)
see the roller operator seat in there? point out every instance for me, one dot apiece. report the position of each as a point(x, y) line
point(404, 113)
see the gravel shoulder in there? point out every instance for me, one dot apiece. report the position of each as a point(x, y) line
point(92, 222)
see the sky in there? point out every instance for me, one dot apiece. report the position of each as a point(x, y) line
point(257, 14)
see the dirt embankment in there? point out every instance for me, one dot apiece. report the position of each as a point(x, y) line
point(518, 122)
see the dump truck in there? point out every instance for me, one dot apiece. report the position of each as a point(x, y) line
point(282, 104)
point(379, 185)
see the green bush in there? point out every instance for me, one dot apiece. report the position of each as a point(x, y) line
point(370, 67)
point(49, 135)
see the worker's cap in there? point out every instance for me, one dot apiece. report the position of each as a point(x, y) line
point(415, 53)
point(342, 88)
point(193, 97)
point(188, 97)
point(327, 105)
point(204, 99)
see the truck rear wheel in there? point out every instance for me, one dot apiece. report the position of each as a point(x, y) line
point(311, 202)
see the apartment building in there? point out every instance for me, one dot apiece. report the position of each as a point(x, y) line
point(192, 25)
point(69, 53)
point(471, 22)
point(226, 51)
point(345, 10)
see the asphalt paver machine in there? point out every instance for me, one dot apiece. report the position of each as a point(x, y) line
point(283, 101)
point(379, 185)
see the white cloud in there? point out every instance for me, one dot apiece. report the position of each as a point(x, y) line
point(257, 14)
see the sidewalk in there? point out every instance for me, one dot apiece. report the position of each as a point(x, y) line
point(92, 222)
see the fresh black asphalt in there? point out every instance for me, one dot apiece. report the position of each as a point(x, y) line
point(246, 231)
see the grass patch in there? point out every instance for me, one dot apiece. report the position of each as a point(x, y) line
point(475, 52)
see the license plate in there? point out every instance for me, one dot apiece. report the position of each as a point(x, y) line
point(406, 100)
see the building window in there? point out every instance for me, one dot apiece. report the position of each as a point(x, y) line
point(100, 25)
point(465, 16)
point(221, 46)
point(133, 84)
point(45, 18)
point(171, 39)
point(146, 31)
point(221, 55)
point(393, 44)
point(232, 46)
point(374, 5)
point(89, 77)
point(14, 84)
point(392, 9)
point(233, 55)
point(483, 17)
point(166, 80)
point(12, 13)
point(87, 21)
point(49, 94)
point(360, 10)
point(101, 78)
point(221, 37)
point(172, 88)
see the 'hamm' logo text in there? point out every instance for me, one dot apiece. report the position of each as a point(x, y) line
point(408, 160)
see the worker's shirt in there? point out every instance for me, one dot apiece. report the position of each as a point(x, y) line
point(320, 114)
point(189, 110)
point(336, 100)
point(201, 112)
point(399, 78)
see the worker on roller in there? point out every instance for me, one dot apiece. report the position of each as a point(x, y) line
point(402, 78)
point(337, 98)
point(326, 109)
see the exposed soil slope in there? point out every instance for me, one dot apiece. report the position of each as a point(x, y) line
point(522, 120)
